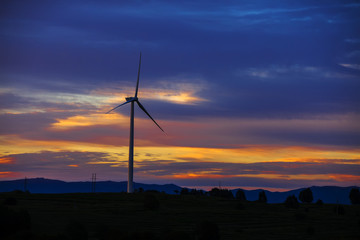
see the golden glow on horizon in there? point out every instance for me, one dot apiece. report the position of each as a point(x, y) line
point(117, 156)
point(199, 175)
point(246, 154)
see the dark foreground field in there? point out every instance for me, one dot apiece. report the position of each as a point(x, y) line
point(161, 216)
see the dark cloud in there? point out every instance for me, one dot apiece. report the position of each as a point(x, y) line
point(328, 166)
point(66, 165)
point(24, 123)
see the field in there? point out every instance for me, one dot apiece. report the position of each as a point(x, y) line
point(161, 216)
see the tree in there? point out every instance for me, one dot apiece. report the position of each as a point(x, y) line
point(354, 196)
point(184, 191)
point(262, 197)
point(291, 202)
point(225, 193)
point(306, 196)
point(240, 195)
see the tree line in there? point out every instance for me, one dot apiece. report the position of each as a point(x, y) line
point(305, 196)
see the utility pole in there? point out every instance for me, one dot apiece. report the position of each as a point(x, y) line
point(25, 184)
point(93, 182)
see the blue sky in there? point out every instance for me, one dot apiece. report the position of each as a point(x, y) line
point(217, 76)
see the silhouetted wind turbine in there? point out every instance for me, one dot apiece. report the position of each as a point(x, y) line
point(130, 187)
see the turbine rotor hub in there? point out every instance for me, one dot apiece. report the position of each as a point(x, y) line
point(131, 99)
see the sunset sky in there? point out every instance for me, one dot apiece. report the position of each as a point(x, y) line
point(252, 94)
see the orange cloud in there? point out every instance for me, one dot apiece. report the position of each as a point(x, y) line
point(89, 120)
point(6, 160)
point(345, 178)
point(9, 174)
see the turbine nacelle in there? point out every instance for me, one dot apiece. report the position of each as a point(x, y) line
point(131, 99)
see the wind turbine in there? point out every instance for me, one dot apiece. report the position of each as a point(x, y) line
point(130, 187)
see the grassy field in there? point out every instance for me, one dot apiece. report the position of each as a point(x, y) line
point(160, 216)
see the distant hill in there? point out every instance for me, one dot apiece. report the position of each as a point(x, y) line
point(328, 194)
point(42, 185)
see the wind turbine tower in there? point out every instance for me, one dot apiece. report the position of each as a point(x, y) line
point(130, 187)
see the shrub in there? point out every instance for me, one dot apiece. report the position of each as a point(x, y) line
point(262, 197)
point(240, 195)
point(319, 202)
point(306, 196)
point(151, 202)
point(291, 202)
point(354, 196)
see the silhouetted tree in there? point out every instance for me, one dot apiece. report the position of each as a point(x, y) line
point(197, 192)
point(184, 191)
point(354, 196)
point(225, 193)
point(262, 197)
point(306, 196)
point(319, 202)
point(207, 231)
point(291, 202)
point(240, 195)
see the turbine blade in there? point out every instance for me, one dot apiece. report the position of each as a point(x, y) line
point(118, 106)
point(142, 107)
point(138, 77)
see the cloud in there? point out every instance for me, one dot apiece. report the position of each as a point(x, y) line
point(267, 174)
point(63, 165)
point(351, 66)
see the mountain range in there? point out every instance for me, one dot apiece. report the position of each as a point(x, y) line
point(328, 194)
